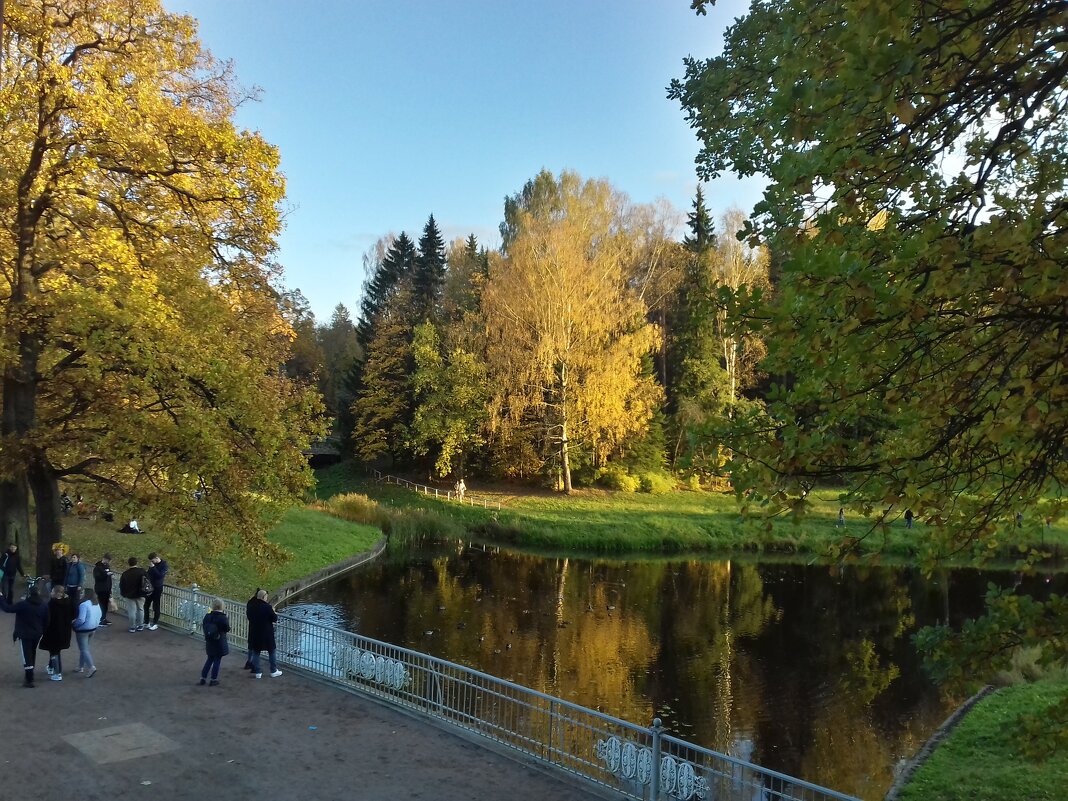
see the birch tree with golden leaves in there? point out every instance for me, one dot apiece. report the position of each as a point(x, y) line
point(566, 332)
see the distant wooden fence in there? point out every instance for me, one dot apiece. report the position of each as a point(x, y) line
point(447, 495)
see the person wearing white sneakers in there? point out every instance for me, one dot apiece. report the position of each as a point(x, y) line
point(56, 639)
point(261, 620)
point(157, 572)
point(84, 625)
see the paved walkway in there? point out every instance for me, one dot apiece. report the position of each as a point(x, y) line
point(142, 728)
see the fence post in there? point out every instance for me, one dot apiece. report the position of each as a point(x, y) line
point(193, 610)
point(654, 779)
point(552, 720)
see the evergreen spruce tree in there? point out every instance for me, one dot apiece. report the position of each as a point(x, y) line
point(702, 236)
point(696, 372)
point(382, 286)
point(384, 405)
point(428, 275)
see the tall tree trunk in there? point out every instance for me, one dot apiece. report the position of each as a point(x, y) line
point(19, 414)
point(565, 463)
point(42, 481)
point(15, 515)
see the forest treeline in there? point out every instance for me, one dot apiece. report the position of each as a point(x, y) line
point(591, 347)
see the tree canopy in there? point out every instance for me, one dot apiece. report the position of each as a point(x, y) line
point(916, 158)
point(142, 334)
point(566, 329)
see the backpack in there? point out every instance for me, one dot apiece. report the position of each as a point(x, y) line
point(146, 586)
point(211, 629)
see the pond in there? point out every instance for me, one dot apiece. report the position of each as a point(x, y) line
point(804, 669)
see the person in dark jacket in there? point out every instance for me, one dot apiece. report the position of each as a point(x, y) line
point(157, 572)
point(103, 583)
point(31, 620)
point(216, 644)
point(56, 638)
point(75, 579)
point(131, 584)
point(261, 620)
point(57, 574)
point(10, 564)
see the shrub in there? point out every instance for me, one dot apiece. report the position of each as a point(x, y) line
point(656, 483)
point(409, 524)
point(355, 508)
point(693, 483)
point(615, 477)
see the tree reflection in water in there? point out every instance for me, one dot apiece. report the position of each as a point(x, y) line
point(808, 670)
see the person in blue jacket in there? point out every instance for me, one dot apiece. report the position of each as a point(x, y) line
point(31, 620)
point(75, 579)
point(215, 626)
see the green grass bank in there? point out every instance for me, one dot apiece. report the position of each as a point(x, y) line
point(312, 538)
point(981, 759)
point(607, 522)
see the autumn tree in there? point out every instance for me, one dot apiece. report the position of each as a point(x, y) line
point(917, 162)
point(566, 332)
point(340, 351)
point(451, 393)
point(141, 338)
point(465, 278)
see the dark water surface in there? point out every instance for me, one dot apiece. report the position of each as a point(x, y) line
point(804, 669)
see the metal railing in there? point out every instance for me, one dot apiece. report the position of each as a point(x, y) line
point(448, 495)
point(634, 761)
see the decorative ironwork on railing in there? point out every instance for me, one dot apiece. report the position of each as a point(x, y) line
point(635, 761)
point(448, 495)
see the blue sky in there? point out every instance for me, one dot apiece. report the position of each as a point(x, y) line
point(386, 112)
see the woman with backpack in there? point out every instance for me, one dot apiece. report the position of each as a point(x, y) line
point(215, 626)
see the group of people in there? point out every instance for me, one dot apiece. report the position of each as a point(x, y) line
point(49, 626)
point(216, 625)
point(73, 610)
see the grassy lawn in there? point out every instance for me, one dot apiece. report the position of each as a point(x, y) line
point(980, 761)
point(313, 540)
point(602, 521)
